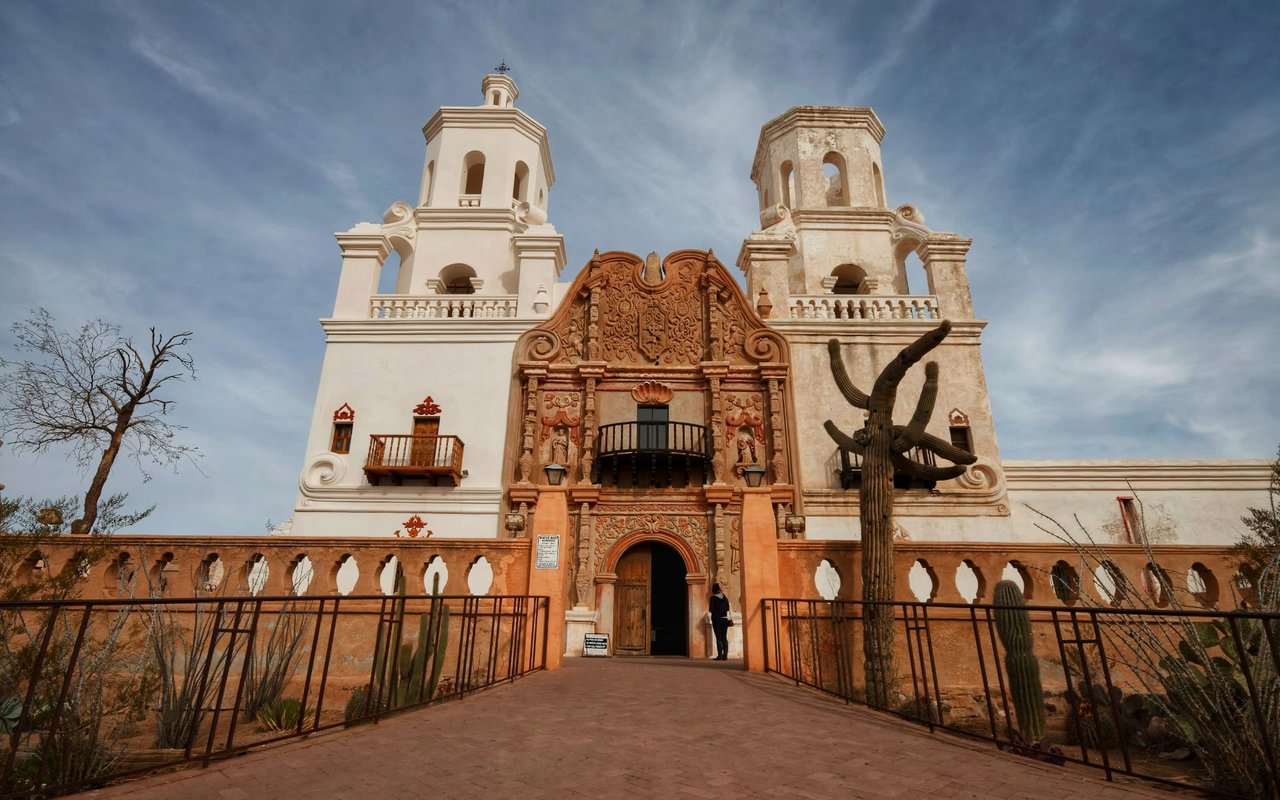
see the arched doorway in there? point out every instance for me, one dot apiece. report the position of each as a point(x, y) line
point(651, 602)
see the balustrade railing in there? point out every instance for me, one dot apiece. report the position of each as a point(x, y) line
point(442, 306)
point(865, 307)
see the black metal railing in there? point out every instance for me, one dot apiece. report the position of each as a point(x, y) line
point(656, 454)
point(626, 438)
point(851, 470)
point(98, 690)
point(1178, 697)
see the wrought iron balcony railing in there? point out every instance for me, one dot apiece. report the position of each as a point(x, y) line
point(653, 453)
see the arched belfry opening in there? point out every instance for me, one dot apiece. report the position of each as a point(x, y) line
point(651, 602)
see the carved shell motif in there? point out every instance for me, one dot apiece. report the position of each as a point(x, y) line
point(652, 393)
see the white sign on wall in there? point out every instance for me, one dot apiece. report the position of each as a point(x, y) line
point(547, 555)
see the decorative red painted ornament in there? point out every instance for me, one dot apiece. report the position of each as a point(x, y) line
point(427, 408)
point(345, 413)
point(413, 527)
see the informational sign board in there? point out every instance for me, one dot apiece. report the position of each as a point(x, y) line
point(595, 644)
point(547, 555)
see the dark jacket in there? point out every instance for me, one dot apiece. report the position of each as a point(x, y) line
point(719, 608)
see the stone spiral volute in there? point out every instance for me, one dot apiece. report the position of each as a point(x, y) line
point(323, 470)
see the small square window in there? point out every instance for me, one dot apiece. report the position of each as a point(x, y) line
point(960, 438)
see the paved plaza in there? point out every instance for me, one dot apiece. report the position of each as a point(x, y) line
point(669, 728)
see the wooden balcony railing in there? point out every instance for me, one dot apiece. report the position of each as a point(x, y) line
point(406, 456)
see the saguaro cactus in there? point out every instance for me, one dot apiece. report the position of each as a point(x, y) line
point(883, 447)
point(1013, 622)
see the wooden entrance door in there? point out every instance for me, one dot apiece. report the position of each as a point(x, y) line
point(631, 602)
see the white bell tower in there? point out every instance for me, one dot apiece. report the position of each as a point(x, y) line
point(480, 224)
point(407, 431)
point(830, 261)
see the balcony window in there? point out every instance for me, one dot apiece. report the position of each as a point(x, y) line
point(652, 452)
point(651, 422)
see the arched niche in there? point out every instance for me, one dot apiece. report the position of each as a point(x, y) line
point(458, 279)
point(473, 173)
point(850, 279)
point(520, 183)
point(837, 179)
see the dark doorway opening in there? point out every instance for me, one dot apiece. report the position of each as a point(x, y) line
point(651, 602)
point(670, 635)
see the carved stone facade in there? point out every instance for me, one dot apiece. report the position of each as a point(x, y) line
point(633, 333)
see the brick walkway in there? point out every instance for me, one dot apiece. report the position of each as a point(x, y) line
point(665, 728)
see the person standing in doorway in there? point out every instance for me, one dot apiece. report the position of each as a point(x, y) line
point(720, 621)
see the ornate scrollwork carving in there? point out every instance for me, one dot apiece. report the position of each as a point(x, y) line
point(692, 528)
point(542, 345)
point(909, 226)
point(983, 477)
point(398, 212)
point(324, 469)
point(530, 214)
point(765, 345)
point(772, 215)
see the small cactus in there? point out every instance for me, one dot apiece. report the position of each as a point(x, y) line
point(412, 679)
point(1013, 622)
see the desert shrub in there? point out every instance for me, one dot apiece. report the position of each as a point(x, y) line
point(1190, 674)
point(285, 715)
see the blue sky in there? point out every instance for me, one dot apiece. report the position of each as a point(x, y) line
point(185, 164)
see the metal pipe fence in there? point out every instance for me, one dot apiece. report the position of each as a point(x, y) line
point(1179, 697)
point(93, 691)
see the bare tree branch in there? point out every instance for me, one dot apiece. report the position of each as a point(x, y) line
point(94, 392)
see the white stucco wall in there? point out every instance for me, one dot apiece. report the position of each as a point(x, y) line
point(382, 369)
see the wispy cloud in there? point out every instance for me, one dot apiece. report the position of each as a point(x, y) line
point(195, 78)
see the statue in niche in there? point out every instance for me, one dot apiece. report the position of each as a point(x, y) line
point(560, 445)
point(747, 449)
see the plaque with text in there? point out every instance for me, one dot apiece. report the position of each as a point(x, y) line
point(595, 644)
point(547, 554)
